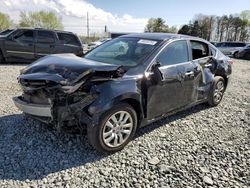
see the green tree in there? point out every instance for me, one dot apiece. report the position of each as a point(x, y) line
point(172, 29)
point(245, 27)
point(156, 25)
point(245, 15)
point(224, 25)
point(195, 29)
point(5, 21)
point(185, 30)
point(41, 19)
point(237, 22)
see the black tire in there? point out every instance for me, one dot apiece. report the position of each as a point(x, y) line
point(1, 57)
point(236, 55)
point(216, 92)
point(247, 56)
point(96, 133)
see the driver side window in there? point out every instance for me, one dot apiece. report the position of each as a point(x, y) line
point(25, 35)
point(175, 53)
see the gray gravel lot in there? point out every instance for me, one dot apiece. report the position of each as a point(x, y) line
point(198, 147)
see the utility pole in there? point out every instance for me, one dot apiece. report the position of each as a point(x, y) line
point(105, 31)
point(88, 24)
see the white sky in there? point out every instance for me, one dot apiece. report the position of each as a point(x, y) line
point(73, 14)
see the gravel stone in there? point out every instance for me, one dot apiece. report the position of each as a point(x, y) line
point(204, 169)
point(199, 147)
point(208, 180)
point(154, 161)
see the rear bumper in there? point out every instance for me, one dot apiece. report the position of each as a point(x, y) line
point(33, 109)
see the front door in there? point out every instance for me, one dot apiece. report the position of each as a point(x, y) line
point(177, 87)
point(20, 46)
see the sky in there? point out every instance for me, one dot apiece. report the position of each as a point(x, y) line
point(122, 16)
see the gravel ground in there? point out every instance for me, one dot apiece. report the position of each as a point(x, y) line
point(199, 147)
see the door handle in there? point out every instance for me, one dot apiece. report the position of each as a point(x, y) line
point(52, 46)
point(189, 73)
point(208, 65)
point(30, 44)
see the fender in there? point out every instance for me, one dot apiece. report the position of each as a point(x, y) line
point(100, 106)
point(113, 92)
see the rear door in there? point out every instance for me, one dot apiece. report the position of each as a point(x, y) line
point(69, 43)
point(45, 43)
point(20, 46)
point(205, 65)
point(178, 85)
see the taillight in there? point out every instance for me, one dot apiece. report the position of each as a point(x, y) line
point(231, 62)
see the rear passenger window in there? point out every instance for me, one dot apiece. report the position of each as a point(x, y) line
point(45, 37)
point(68, 39)
point(241, 45)
point(199, 49)
point(174, 53)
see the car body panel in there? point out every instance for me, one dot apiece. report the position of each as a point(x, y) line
point(90, 88)
point(228, 48)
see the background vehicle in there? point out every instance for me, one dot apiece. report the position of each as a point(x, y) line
point(26, 45)
point(5, 32)
point(243, 53)
point(213, 43)
point(92, 45)
point(228, 47)
point(112, 93)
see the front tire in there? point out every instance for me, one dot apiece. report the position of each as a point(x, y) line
point(1, 57)
point(217, 91)
point(116, 128)
point(236, 55)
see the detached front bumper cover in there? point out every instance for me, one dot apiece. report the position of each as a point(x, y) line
point(33, 109)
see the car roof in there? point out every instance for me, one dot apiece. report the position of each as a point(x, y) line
point(161, 36)
point(43, 29)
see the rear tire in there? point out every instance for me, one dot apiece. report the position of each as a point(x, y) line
point(217, 91)
point(116, 128)
point(247, 56)
point(1, 57)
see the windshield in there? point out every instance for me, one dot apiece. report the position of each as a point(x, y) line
point(6, 32)
point(123, 51)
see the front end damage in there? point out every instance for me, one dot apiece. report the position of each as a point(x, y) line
point(54, 99)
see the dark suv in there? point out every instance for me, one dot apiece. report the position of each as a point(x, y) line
point(230, 48)
point(26, 45)
point(123, 84)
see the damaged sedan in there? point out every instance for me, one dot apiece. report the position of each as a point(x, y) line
point(123, 85)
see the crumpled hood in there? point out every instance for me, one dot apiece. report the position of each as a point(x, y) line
point(67, 67)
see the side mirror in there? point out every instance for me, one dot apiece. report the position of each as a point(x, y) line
point(157, 73)
point(156, 65)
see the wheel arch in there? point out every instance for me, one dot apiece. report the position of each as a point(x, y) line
point(224, 77)
point(137, 107)
point(131, 98)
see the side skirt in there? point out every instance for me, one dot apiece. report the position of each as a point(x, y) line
point(145, 121)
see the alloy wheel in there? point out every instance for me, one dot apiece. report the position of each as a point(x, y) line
point(117, 129)
point(218, 92)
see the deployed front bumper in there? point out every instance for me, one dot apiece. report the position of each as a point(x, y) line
point(33, 109)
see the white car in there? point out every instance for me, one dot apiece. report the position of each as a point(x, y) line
point(97, 43)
